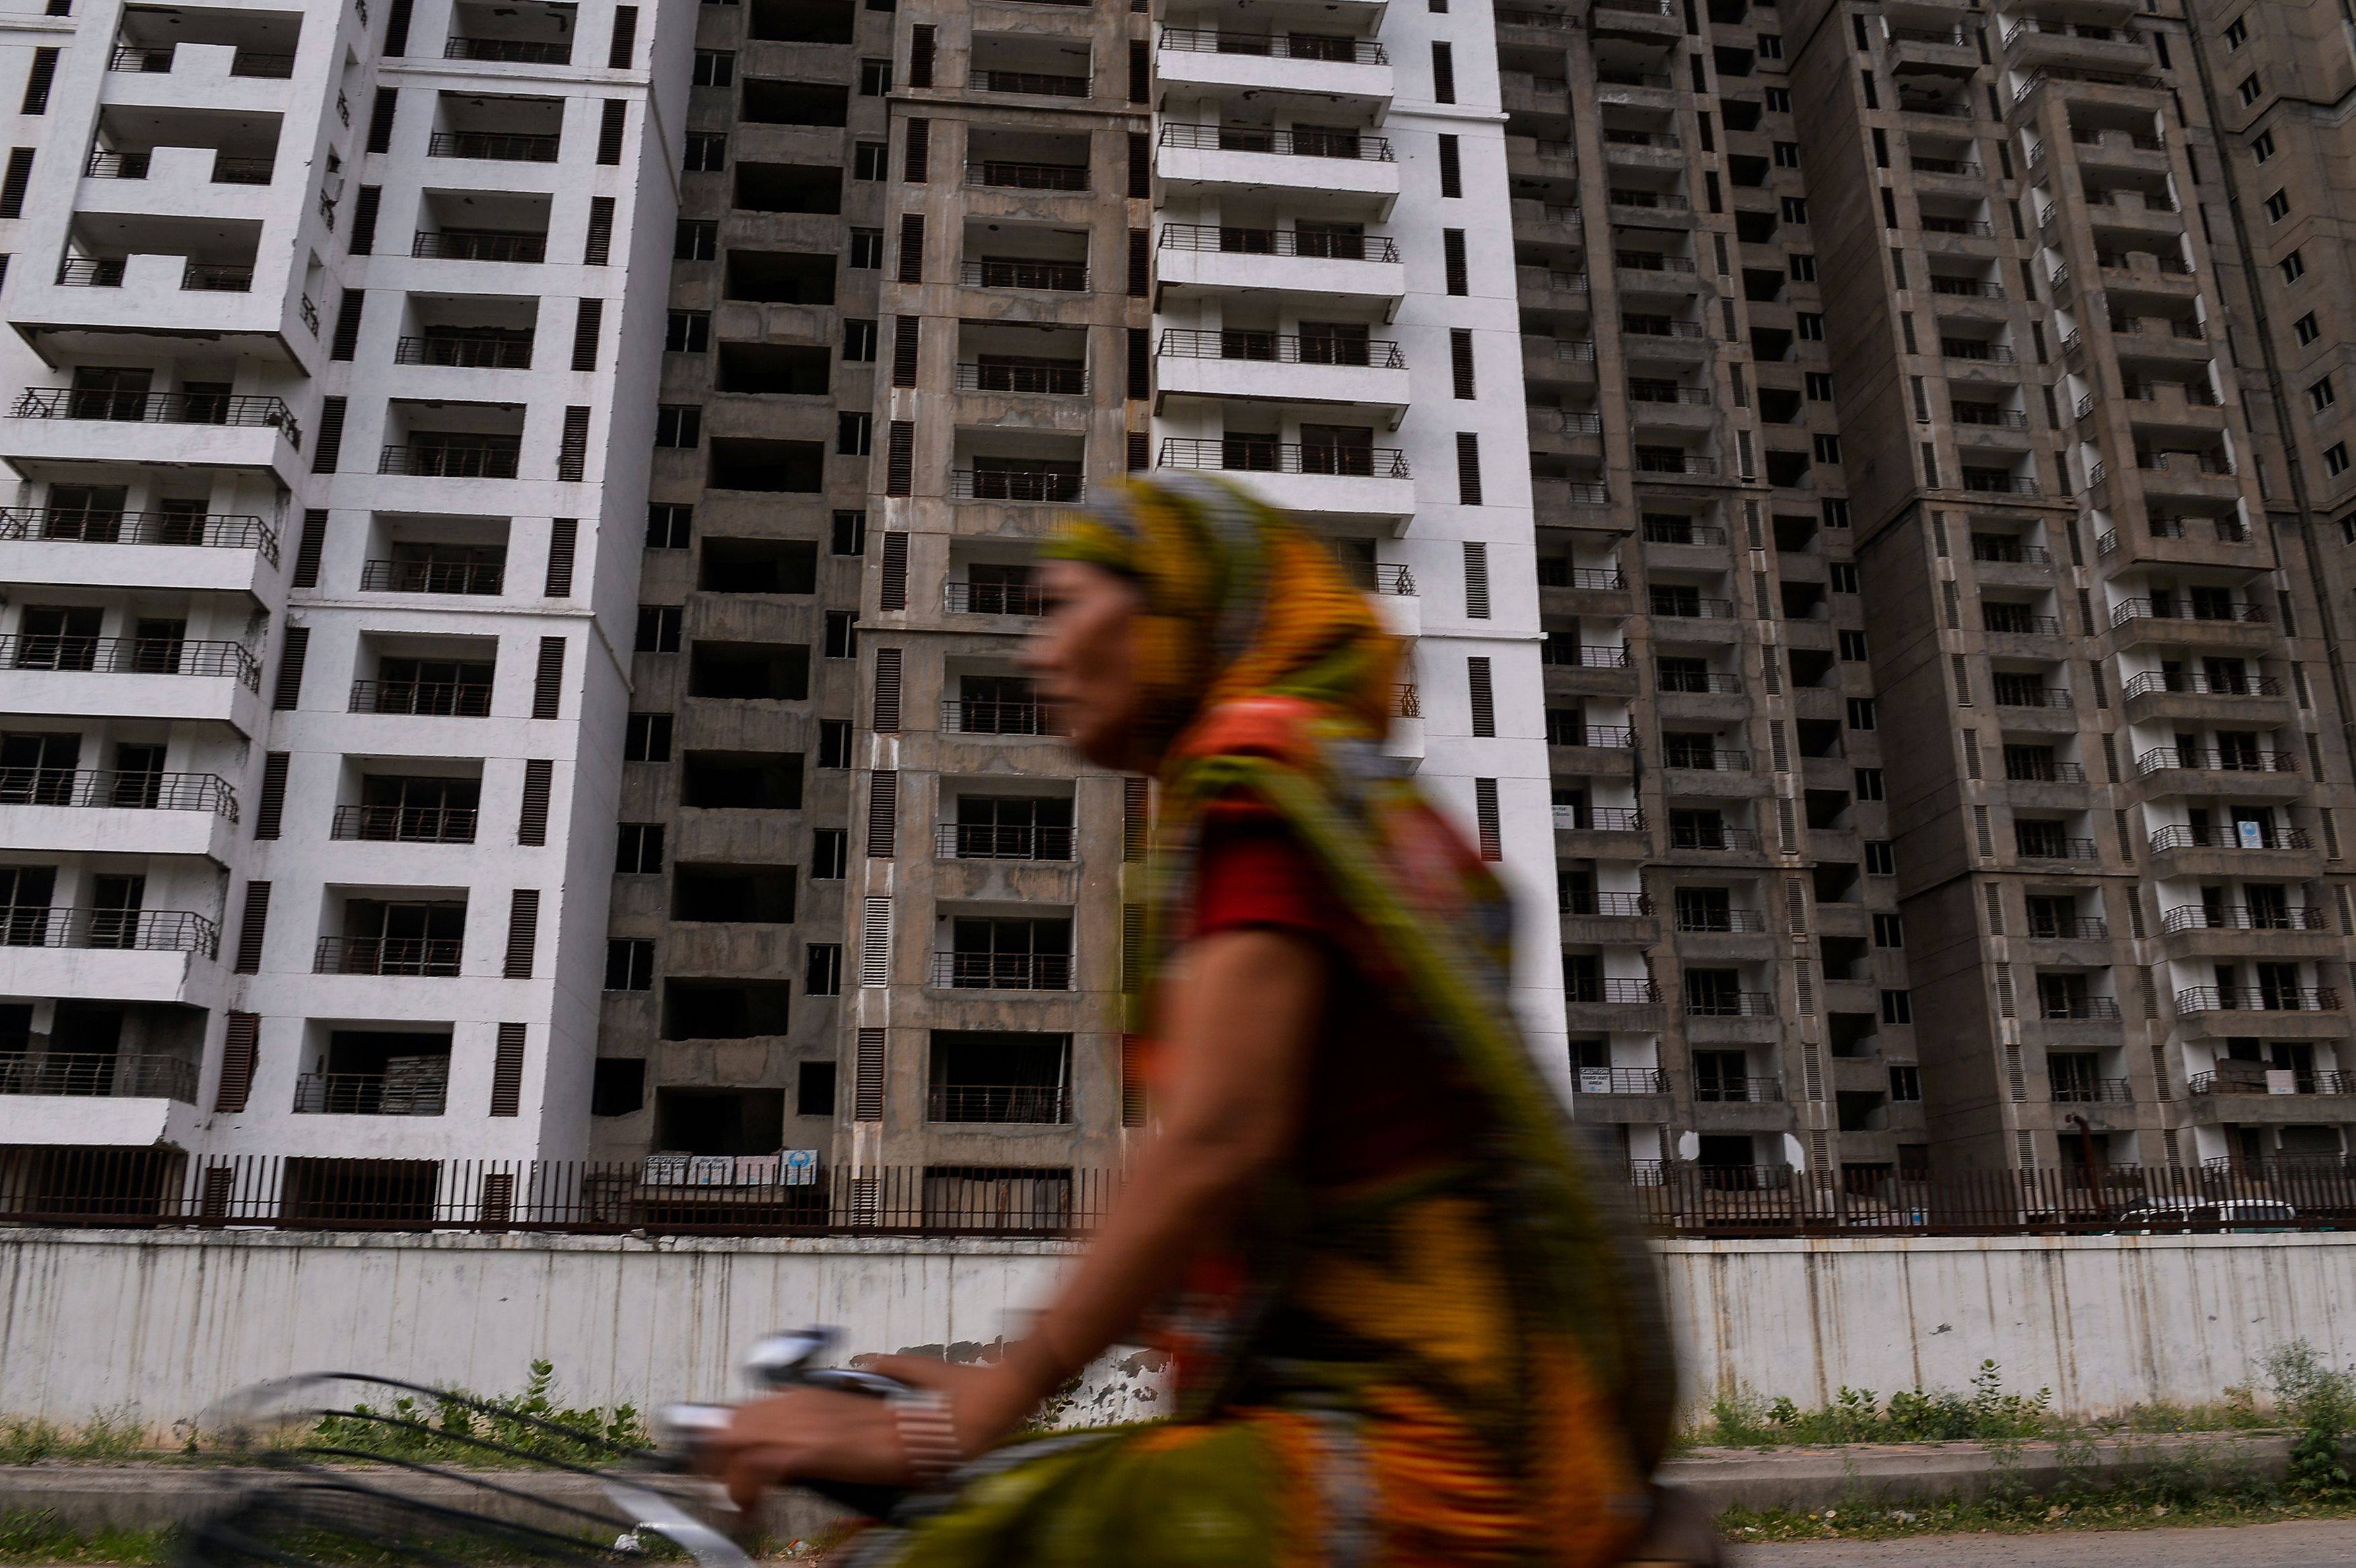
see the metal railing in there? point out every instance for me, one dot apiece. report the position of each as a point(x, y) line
point(2187, 610)
point(242, 171)
point(1665, 392)
point(1672, 607)
point(479, 245)
point(427, 956)
point(1061, 277)
point(1031, 83)
point(433, 577)
point(1607, 579)
point(1254, 456)
point(1719, 922)
point(1996, 618)
point(91, 272)
point(2063, 1009)
point(2068, 928)
point(2203, 760)
point(2010, 552)
point(1279, 348)
point(2043, 770)
point(1599, 819)
point(1389, 578)
point(1662, 532)
point(405, 824)
point(1059, 381)
point(1003, 971)
point(1585, 656)
point(1606, 905)
point(1704, 759)
point(2057, 847)
point(1596, 992)
point(1728, 840)
point(447, 699)
point(2300, 1083)
point(1652, 327)
point(1348, 144)
point(2240, 836)
point(1619, 1080)
point(993, 841)
point(1046, 485)
point(84, 525)
point(155, 407)
point(1512, 17)
point(1970, 352)
point(993, 599)
point(1745, 1089)
point(105, 165)
point(465, 353)
point(1988, 482)
point(153, 60)
point(510, 51)
point(500, 146)
point(1031, 1102)
point(78, 1074)
point(1317, 244)
point(983, 716)
point(132, 655)
point(2244, 917)
point(1697, 681)
point(369, 1094)
point(1600, 737)
point(109, 789)
point(2008, 695)
point(119, 930)
point(451, 460)
point(1327, 47)
point(206, 278)
point(2094, 1091)
point(1006, 173)
point(2258, 998)
point(1729, 1004)
point(1659, 463)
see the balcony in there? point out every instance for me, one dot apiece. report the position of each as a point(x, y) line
point(482, 577)
point(2241, 850)
point(2268, 998)
point(1020, 273)
point(410, 955)
point(2068, 928)
point(991, 841)
point(1620, 1081)
point(2270, 932)
point(1720, 1089)
point(2215, 625)
point(109, 929)
point(109, 790)
point(2053, 847)
point(1033, 487)
point(1033, 1103)
point(492, 147)
point(993, 599)
point(1705, 840)
point(1002, 971)
point(1044, 378)
point(412, 1094)
point(510, 51)
point(2278, 1081)
point(449, 699)
point(1916, 53)
point(1267, 68)
point(191, 419)
point(453, 459)
point(1599, 819)
point(77, 546)
point(1651, 20)
point(1203, 159)
point(2257, 700)
point(465, 352)
point(404, 824)
point(2246, 774)
point(80, 1074)
point(2093, 1091)
point(132, 655)
point(991, 715)
point(1355, 481)
point(1282, 368)
point(479, 245)
point(2034, 42)
point(1594, 1003)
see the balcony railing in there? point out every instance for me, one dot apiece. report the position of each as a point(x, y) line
point(2076, 1010)
point(1730, 840)
point(2310, 1082)
point(1059, 277)
point(1606, 905)
point(1649, 200)
point(1282, 457)
point(1654, 392)
point(465, 353)
point(1582, 991)
point(369, 1094)
point(78, 1074)
point(108, 789)
point(132, 655)
point(242, 171)
point(2093, 1091)
point(1601, 579)
point(1317, 244)
point(205, 278)
point(2187, 610)
point(1031, 1102)
point(1031, 83)
point(1003, 971)
point(1730, 1005)
point(2043, 770)
point(447, 699)
point(105, 165)
point(441, 459)
point(2258, 998)
point(2240, 836)
point(1682, 609)
point(479, 245)
point(1659, 462)
point(2203, 760)
point(1379, 577)
point(1279, 348)
point(1603, 737)
point(993, 599)
point(1585, 656)
point(91, 272)
point(1277, 46)
point(499, 146)
point(1052, 486)
point(1619, 1080)
point(994, 841)
point(405, 824)
point(983, 716)
point(1599, 819)
point(114, 930)
point(1704, 759)
point(1719, 1091)
point(1005, 173)
point(510, 51)
point(155, 407)
point(1350, 144)
point(1660, 531)
point(433, 577)
point(2010, 695)
point(1721, 921)
point(2068, 928)
point(1697, 681)
point(423, 955)
point(150, 59)
point(83, 525)
point(1058, 381)
point(2243, 917)
point(1965, 348)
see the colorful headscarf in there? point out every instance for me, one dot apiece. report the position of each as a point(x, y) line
point(1269, 678)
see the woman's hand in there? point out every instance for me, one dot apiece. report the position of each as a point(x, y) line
point(825, 1434)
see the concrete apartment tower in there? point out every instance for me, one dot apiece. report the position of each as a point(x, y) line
point(327, 422)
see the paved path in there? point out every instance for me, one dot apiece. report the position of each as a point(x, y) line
point(2305, 1543)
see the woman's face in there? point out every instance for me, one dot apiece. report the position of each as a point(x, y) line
point(1083, 659)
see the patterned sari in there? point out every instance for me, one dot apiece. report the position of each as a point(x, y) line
point(1461, 1360)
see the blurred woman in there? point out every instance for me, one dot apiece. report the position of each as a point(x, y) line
point(1404, 1324)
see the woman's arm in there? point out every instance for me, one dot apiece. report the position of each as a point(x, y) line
point(1244, 1010)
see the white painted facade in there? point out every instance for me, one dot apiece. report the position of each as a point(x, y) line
point(412, 558)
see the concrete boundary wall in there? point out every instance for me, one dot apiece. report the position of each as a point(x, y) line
point(154, 1325)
